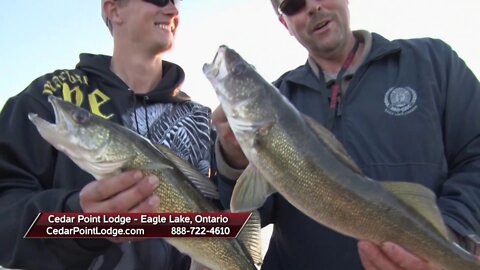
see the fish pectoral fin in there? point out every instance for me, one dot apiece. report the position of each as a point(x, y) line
point(200, 181)
point(251, 237)
point(422, 200)
point(251, 191)
point(101, 170)
point(332, 143)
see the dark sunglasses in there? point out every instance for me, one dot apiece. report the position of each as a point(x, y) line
point(291, 7)
point(162, 3)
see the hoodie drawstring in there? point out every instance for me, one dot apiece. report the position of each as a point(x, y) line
point(145, 98)
point(135, 109)
point(144, 103)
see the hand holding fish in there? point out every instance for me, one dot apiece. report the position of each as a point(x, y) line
point(197, 266)
point(130, 168)
point(232, 152)
point(296, 156)
point(389, 256)
point(126, 192)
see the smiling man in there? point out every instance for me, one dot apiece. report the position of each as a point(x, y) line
point(405, 110)
point(134, 87)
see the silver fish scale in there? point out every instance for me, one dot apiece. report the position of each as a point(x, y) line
point(315, 178)
point(176, 196)
point(224, 255)
point(289, 160)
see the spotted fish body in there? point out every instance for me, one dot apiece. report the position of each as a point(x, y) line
point(293, 155)
point(104, 148)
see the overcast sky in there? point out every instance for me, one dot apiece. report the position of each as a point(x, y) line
point(38, 37)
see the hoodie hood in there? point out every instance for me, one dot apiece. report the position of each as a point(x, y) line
point(168, 89)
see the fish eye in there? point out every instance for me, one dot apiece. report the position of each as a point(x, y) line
point(81, 116)
point(239, 68)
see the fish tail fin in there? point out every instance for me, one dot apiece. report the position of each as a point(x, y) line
point(251, 238)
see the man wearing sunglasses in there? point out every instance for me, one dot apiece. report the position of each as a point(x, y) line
point(134, 87)
point(405, 110)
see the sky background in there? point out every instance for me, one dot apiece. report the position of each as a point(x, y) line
point(38, 37)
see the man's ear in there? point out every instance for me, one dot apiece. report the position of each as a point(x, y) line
point(282, 21)
point(111, 10)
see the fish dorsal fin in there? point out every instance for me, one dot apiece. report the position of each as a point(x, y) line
point(251, 237)
point(250, 191)
point(422, 199)
point(152, 166)
point(332, 143)
point(200, 181)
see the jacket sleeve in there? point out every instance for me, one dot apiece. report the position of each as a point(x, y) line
point(459, 198)
point(27, 168)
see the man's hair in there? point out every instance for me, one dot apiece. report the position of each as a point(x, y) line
point(275, 4)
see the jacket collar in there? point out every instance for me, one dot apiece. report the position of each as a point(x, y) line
point(304, 75)
point(381, 47)
point(167, 90)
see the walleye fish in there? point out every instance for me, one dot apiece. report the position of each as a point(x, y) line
point(291, 154)
point(104, 148)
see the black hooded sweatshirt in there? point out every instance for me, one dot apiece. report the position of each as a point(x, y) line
point(35, 177)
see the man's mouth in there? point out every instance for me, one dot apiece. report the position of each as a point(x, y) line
point(166, 27)
point(321, 25)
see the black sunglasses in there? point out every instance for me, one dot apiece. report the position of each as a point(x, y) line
point(291, 7)
point(162, 3)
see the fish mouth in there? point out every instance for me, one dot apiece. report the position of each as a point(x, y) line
point(73, 134)
point(47, 128)
point(217, 70)
point(60, 134)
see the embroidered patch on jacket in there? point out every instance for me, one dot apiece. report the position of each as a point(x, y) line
point(400, 101)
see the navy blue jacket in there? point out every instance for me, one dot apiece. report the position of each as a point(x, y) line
point(410, 113)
